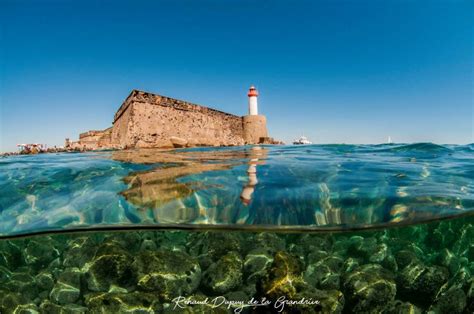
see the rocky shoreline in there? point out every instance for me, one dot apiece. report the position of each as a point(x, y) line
point(49, 151)
point(177, 143)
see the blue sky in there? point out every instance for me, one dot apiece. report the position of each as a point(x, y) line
point(338, 71)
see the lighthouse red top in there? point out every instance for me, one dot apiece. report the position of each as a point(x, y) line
point(252, 91)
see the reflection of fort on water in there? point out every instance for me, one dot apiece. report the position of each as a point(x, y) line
point(162, 191)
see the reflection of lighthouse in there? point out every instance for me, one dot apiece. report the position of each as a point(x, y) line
point(253, 107)
point(256, 153)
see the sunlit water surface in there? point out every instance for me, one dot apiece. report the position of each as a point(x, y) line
point(273, 187)
point(126, 255)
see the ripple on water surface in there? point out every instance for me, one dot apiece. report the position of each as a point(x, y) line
point(316, 187)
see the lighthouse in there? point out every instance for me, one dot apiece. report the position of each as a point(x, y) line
point(253, 107)
point(254, 124)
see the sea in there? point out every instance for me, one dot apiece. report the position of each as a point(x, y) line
point(254, 229)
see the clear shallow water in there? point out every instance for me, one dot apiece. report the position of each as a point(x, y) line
point(412, 267)
point(317, 187)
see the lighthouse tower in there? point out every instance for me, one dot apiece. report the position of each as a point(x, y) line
point(253, 107)
point(255, 125)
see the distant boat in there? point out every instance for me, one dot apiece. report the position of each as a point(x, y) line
point(389, 140)
point(302, 141)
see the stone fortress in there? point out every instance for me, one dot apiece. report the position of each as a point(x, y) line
point(147, 120)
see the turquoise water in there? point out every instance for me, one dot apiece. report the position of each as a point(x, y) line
point(318, 187)
point(289, 229)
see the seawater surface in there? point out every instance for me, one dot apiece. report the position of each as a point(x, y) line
point(262, 229)
point(317, 187)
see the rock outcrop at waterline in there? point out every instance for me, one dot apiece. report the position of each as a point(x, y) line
point(147, 120)
point(391, 271)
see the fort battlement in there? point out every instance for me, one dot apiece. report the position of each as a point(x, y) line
point(146, 97)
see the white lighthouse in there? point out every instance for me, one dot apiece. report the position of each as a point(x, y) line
point(253, 107)
point(254, 124)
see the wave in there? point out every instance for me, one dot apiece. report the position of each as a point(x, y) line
point(422, 147)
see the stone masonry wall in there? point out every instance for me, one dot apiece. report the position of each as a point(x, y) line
point(149, 120)
point(93, 139)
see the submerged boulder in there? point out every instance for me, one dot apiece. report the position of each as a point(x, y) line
point(214, 245)
point(40, 252)
point(256, 264)
point(284, 277)
point(133, 302)
point(68, 287)
point(22, 283)
point(317, 301)
point(269, 241)
point(63, 293)
point(79, 251)
point(9, 301)
point(400, 307)
point(452, 301)
point(369, 288)
point(420, 283)
point(470, 297)
point(225, 274)
point(11, 255)
point(168, 273)
point(110, 266)
point(323, 270)
point(52, 308)
point(45, 281)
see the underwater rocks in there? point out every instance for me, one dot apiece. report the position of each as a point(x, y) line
point(10, 300)
point(63, 293)
point(269, 241)
point(52, 308)
point(134, 302)
point(323, 270)
point(79, 251)
point(68, 287)
point(470, 296)
point(421, 283)
point(452, 301)
point(284, 278)
point(214, 245)
point(224, 275)
point(143, 271)
point(167, 273)
point(40, 252)
point(11, 255)
point(256, 264)
point(111, 265)
point(369, 288)
point(399, 307)
point(24, 283)
point(329, 301)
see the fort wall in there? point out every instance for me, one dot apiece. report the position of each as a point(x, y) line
point(94, 139)
point(149, 120)
point(255, 128)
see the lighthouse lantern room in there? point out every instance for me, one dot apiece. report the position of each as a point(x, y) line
point(253, 107)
